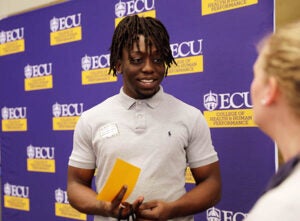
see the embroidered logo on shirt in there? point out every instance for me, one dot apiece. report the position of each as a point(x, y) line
point(109, 130)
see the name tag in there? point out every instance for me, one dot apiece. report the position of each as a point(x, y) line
point(109, 130)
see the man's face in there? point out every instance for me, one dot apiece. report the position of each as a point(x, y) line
point(143, 70)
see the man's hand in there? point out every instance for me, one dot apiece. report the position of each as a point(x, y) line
point(154, 210)
point(119, 209)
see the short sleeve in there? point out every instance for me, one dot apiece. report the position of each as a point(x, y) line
point(82, 155)
point(200, 151)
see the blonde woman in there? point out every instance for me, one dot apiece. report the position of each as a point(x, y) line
point(275, 92)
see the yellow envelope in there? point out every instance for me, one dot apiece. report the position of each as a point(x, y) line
point(123, 173)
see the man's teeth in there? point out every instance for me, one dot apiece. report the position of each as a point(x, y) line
point(147, 81)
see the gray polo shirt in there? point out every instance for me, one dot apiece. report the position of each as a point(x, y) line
point(161, 135)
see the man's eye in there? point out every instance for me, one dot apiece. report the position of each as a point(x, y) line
point(158, 61)
point(136, 60)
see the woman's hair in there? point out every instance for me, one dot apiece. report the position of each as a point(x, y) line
point(282, 60)
point(127, 33)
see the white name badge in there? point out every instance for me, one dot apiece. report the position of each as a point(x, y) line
point(109, 130)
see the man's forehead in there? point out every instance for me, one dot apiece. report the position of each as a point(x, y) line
point(142, 46)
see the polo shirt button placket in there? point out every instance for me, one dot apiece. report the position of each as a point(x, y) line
point(140, 117)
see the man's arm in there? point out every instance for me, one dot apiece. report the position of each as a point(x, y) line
point(83, 198)
point(205, 194)
point(207, 191)
point(80, 194)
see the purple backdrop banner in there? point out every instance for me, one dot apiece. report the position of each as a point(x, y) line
point(54, 64)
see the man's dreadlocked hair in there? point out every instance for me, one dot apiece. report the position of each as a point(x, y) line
point(127, 33)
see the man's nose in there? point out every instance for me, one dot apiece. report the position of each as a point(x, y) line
point(148, 66)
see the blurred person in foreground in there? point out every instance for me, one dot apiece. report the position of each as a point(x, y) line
point(275, 93)
point(148, 128)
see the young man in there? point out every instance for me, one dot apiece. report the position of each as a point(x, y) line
point(147, 128)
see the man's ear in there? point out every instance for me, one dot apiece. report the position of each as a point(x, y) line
point(272, 91)
point(119, 66)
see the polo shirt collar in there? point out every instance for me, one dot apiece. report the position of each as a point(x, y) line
point(129, 102)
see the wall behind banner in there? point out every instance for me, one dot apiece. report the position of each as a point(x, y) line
point(54, 65)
